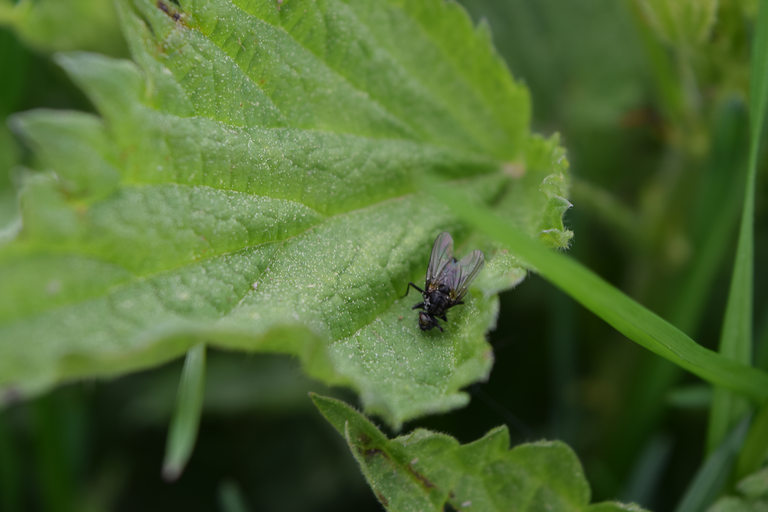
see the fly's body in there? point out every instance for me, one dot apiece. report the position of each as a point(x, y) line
point(447, 281)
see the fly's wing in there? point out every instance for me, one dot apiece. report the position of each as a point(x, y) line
point(463, 272)
point(439, 262)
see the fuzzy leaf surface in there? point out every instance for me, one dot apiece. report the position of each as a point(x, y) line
point(251, 183)
point(424, 470)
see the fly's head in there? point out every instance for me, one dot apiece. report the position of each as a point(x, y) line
point(425, 321)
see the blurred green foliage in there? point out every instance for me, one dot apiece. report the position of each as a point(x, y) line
point(49, 26)
point(752, 495)
point(649, 99)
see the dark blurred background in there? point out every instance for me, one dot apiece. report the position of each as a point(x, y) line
point(653, 174)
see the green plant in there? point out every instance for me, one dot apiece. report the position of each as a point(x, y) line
point(267, 176)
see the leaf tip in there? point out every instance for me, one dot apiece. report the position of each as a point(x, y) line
point(319, 400)
point(171, 471)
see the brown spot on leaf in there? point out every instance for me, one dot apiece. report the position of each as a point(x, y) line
point(421, 478)
point(383, 499)
point(375, 451)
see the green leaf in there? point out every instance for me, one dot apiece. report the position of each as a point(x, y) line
point(624, 314)
point(754, 495)
point(64, 25)
point(755, 485)
point(736, 336)
point(733, 504)
point(186, 418)
point(424, 470)
point(14, 58)
point(253, 184)
point(9, 212)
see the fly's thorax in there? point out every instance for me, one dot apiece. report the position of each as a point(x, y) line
point(438, 302)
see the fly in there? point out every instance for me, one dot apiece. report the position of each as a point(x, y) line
point(447, 281)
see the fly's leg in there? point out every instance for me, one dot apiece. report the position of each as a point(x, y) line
point(443, 317)
point(408, 288)
point(418, 306)
point(434, 323)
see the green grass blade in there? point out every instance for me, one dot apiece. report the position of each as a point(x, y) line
point(755, 447)
point(713, 473)
point(231, 497)
point(758, 98)
point(736, 336)
point(186, 417)
point(715, 215)
point(617, 309)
